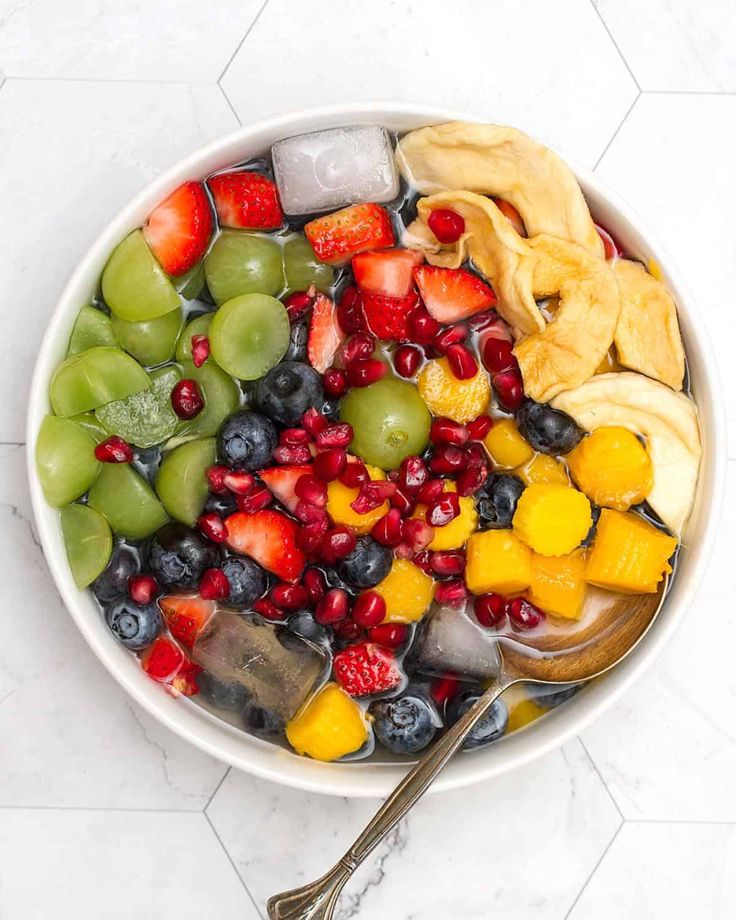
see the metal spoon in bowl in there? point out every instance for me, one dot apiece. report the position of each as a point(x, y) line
point(611, 627)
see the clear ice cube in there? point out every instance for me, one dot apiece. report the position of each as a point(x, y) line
point(334, 168)
point(278, 668)
point(449, 642)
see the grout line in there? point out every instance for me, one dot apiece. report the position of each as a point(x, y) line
point(217, 788)
point(615, 44)
point(232, 863)
point(600, 777)
point(12, 443)
point(112, 809)
point(231, 106)
point(615, 133)
point(594, 870)
point(242, 40)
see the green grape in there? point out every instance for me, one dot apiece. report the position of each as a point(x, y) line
point(249, 335)
point(221, 398)
point(88, 421)
point(134, 285)
point(145, 418)
point(150, 341)
point(65, 460)
point(93, 327)
point(95, 377)
point(303, 268)
point(243, 263)
point(181, 482)
point(390, 421)
point(198, 326)
point(88, 542)
point(190, 285)
point(126, 501)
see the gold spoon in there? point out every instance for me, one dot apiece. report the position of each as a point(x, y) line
point(612, 625)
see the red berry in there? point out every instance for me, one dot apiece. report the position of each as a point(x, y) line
point(444, 510)
point(339, 435)
point(213, 527)
point(360, 345)
point(423, 327)
point(462, 362)
point(333, 607)
point(389, 635)
point(448, 459)
point(470, 480)
point(479, 427)
point(448, 226)
point(354, 474)
point(348, 629)
point(524, 615)
point(450, 336)
point(335, 382)
point(451, 593)
point(143, 588)
point(294, 437)
point(269, 610)
point(490, 610)
point(445, 431)
point(509, 389)
point(216, 478)
point(372, 495)
point(312, 490)
point(444, 689)
point(258, 499)
point(315, 583)
point(430, 491)
point(292, 455)
point(497, 355)
point(413, 474)
point(407, 359)
point(214, 585)
point(337, 543)
point(365, 371)
point(482, 320)
point(477, 458)
point(387, 530)
point(422, 560)
point(447, 562)
point(200, 349)
point(297, 304)
point(238, 482)
point(350, 313)
point(403, 502)
point(114, 450)
point(330, 464)
point(369, 609)
point(186, 399)
point(314, 421)
point(309, 537)
point(308, 513)
point(162, 660)
point(289, 597)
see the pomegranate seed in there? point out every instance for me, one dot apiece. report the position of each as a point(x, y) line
point(238, 482)
point(213, 527)
point(308, 513)
point(389, 635)
point(450, 336)
point(444, 689)
point(297, 304)
point(470, 480)
point(372, 495)
point(477, 458)
point(269, 610)
point(333, 607)
point(447, 562)
point(369, 609)
point(214, 585)
point(335, 436)
point(143, 588)
point(312, 490)
point(294, 437)
point(462, 362)
point(365, 371)
point(524, 615)
point(490, 610)
point(350, 314)
point(216, 478)
point(479, 427)
point(258, 499)
point(309, 537)
point(407, 359)
point(358, 346)
point(315, 583)
point(416, 534)
point(314, 421)
point(413, 474)
point(291, 455)
point(403, 502)
point(445, 431)
point(509, 389)
point(289, 597)
point(497, 355)
point(337, 543)
point(348, 629)
point(354, 474)
point(330, 464)
point(448, 226)
point(114, 450)
point(483, 320)
point(444, 510)
point(387, 530)
point(448, 459)
point(335, 382)
point(422, 326)
point(186, 399)
point(430, 491)
point(423, 561)
point(451, 593)
point(200, 349)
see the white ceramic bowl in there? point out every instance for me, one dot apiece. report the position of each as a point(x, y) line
point(367, 779)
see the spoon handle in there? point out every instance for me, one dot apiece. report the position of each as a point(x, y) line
point(317, 900)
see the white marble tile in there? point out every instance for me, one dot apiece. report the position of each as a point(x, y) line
point(549, 68)
point(116, 865)
point(72, 155)
point(676, 44)
point(519, 846)
point(116, 40)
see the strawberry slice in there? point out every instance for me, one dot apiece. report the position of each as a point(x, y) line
point(337, 237)
point(281, 481)
point(509, 211)
point(452, 294)
point(246, 200)
point(388, 273)
point(162, 660)
point(185, 615)
point(365, 669)
point(388, 317)
point(325, 334)
point(179, 229)
point(270, 538)
point(185, 681)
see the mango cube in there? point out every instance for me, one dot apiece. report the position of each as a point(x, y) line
point(543, 468)
point(558, 584)
point(331, 725)
point(551, 518)
point(407, 590)
point(497, 561)
point(612, 467)
point(506, 445)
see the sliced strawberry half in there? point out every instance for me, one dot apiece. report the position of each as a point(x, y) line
point(281, 481)
point(185, 615)
point(337, 237)
point(388, 317)
point(162, 659)
point(270, 538)
point(185, 681)
point(325, 334)
point(246, 200)
point(452, 294)
point(510, 212)
point(388, 272)
point(366, 669)
point(179, 229)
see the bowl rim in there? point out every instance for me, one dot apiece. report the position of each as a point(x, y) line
point(268, 761)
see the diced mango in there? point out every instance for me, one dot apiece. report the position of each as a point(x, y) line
point(331, 725)
point(444, 394)
point(629, 554)
point(506, 445)
point(497, 561)
point(407, 590)
point(558, 584)
point(339, 498)
point(612, 467)
point(522, 713)
point(552, 519)
point(543, 468)
point(455, 534)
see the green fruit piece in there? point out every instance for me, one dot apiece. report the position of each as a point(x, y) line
point(390, 421)
point(191, 284)
point(134, 285)
point(127, 502)
point(243, 263)
point(198, 326)
point(65, 460)
point(88, 542)
point(94, 378)
point(145, 418)
point(150, 341)
point(93, 327)
point(303, 268)
point(181, 482)
point(88, 421)
point(249, 335)
point(221, 398)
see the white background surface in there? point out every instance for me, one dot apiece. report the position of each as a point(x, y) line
point(104, 813)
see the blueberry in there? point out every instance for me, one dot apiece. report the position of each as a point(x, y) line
point(405, 725)
point(224, 505)
point(303, 624)
point(491, 726)
point(547, 430)
point(221, 693)
point(113, 582)
point(366, 565)
point(548, 696)
point(331, 409)
point(287, 391)
point(496, 501)
point(147, 463)
point(262, 722)
point(134, 625)
point(246, 441)
point(177, 556)
point(595, 513)
point(247, 580)
point(297, 350)
point(335, 581)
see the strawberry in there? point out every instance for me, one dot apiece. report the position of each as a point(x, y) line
point(510, 212)
point(337, 237)
point(185, 681)
point(179, 229)
point(185, 615)
point(388, 317)
point(325, 334)
point(281, 481)
point(162, 660)
point(270, 538)
point(246, 200)
point(388, 273)
point(365, 669)
point(452, 294)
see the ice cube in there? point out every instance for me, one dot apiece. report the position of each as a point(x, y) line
point(278, 668)
point(449, 642)
point(334, 168)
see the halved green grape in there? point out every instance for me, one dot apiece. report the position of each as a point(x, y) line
point(221, 398)
point(145, 418)
point(65, 460)
point(88, 542)
point(198, 326)
point(93, 327)
point(303, 268)
point(190, 284)
point(134, 285)
point(89, 422)
point(126, 501)
point(249, 335)
point(95, 377)
point(181, 482)
point(243, 263)
point(150, 341)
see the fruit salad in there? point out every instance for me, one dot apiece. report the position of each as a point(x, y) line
point(344, 421)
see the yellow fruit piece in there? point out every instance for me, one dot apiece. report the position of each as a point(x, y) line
point(543, 468)
point(497, 561)
point(455, 534)
point(522, 713)
point(444, 394)
point(612, 467)
point(407, 590)
point(552, 519)
point(339, 498)
point(558, 584)
point(628, 555)
point(506, 446)
point(331, 725)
